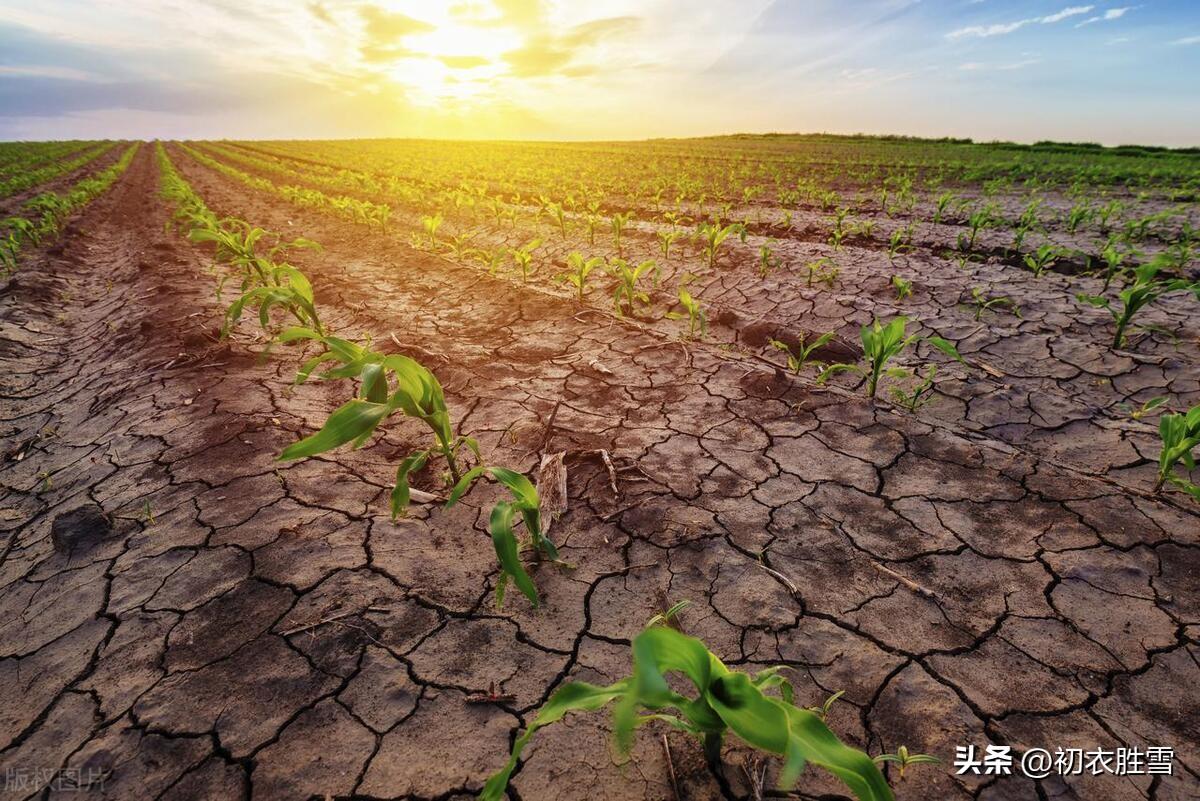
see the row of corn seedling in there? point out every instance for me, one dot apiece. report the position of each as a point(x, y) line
point(387, 384)
point(48, 212)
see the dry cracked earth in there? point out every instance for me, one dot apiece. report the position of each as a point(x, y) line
point(183, 617)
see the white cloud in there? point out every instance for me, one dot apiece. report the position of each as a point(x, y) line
point(1110, 14)
point(981, 66)
point(1187, 40)
point(984, 31)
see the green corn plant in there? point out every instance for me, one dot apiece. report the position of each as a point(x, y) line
point(1106, 212)
point(712, 236)
point(767, 261)
point(1180, 434)
point(725, 701)
point(697, 319)
point(460, 244)
point(619, 223)
point(1113, 262)
point(919, 395)
point(627, 291)
point(981, 218)
point(523, 257)
point(865, 228)
point(1145, 410)
point(822, 269)
point(526, 503)
point(560, 217)
point(823, 710)
point(899, 242)
point(943, 202)
point(579, 270)
point(983, 303)
point(902, 286)
point(882, 343)
point(665, 240)
point(1042, 259)
point(903, 758)
point(1145, 288)
point(388, 383)
point(668, 616)
point(431, 224)
point(800, 356)
point(1078, 215)
point(288, 290)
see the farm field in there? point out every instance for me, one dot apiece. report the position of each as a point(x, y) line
point(327, 464)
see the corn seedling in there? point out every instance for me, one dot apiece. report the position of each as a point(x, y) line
point(627, 291)
point(902, 759)
point(388, 383)
point(822, 711)
point(1145, 288)
point(697, 319)
point(983, 303)
point(822, 269)
point(578, 271)
point(767, 261)
point(943, 203)
point(619, 223)
point(712, 236)
point(882, 343)
point(523, 257)
point(430, 224)
point(1180, 434)
point(1042, 259)
point(979, 219)
point(668, 616)
point(1147, 409)
point(665, 240)
point(725, 701)
point(1078, 215)
point(800, 356)
point(902, 286)
point(525, 502)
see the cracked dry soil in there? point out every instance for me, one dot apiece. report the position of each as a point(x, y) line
point(190, 619)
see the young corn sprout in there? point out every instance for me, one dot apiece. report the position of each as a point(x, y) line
point(899, 242)
point(1180, 435)
point(627, 291)
point(902, 758)
point(767, 260)
point(822, 711)
point(1146, 409)
point(980, 219)
point(882, 343)
point(902, 286)
point(1113, 262)
point(983, 302)
point(560, 217)
point(579, 270)
point(526, 503)
point(800, 355)
point(697, 319)
point(619, 223)
point(665, 240)
point(387, 384)
point(943, 202)
point(431, 224)
point(523, 257)
point(1042, 259)
point(725, 701)
point(822, 269)
point(712, 236)
point(1145, 288)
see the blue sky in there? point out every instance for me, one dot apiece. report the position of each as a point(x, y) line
point(1113, 72)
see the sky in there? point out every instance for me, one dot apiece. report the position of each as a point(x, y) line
point(1112, 72)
